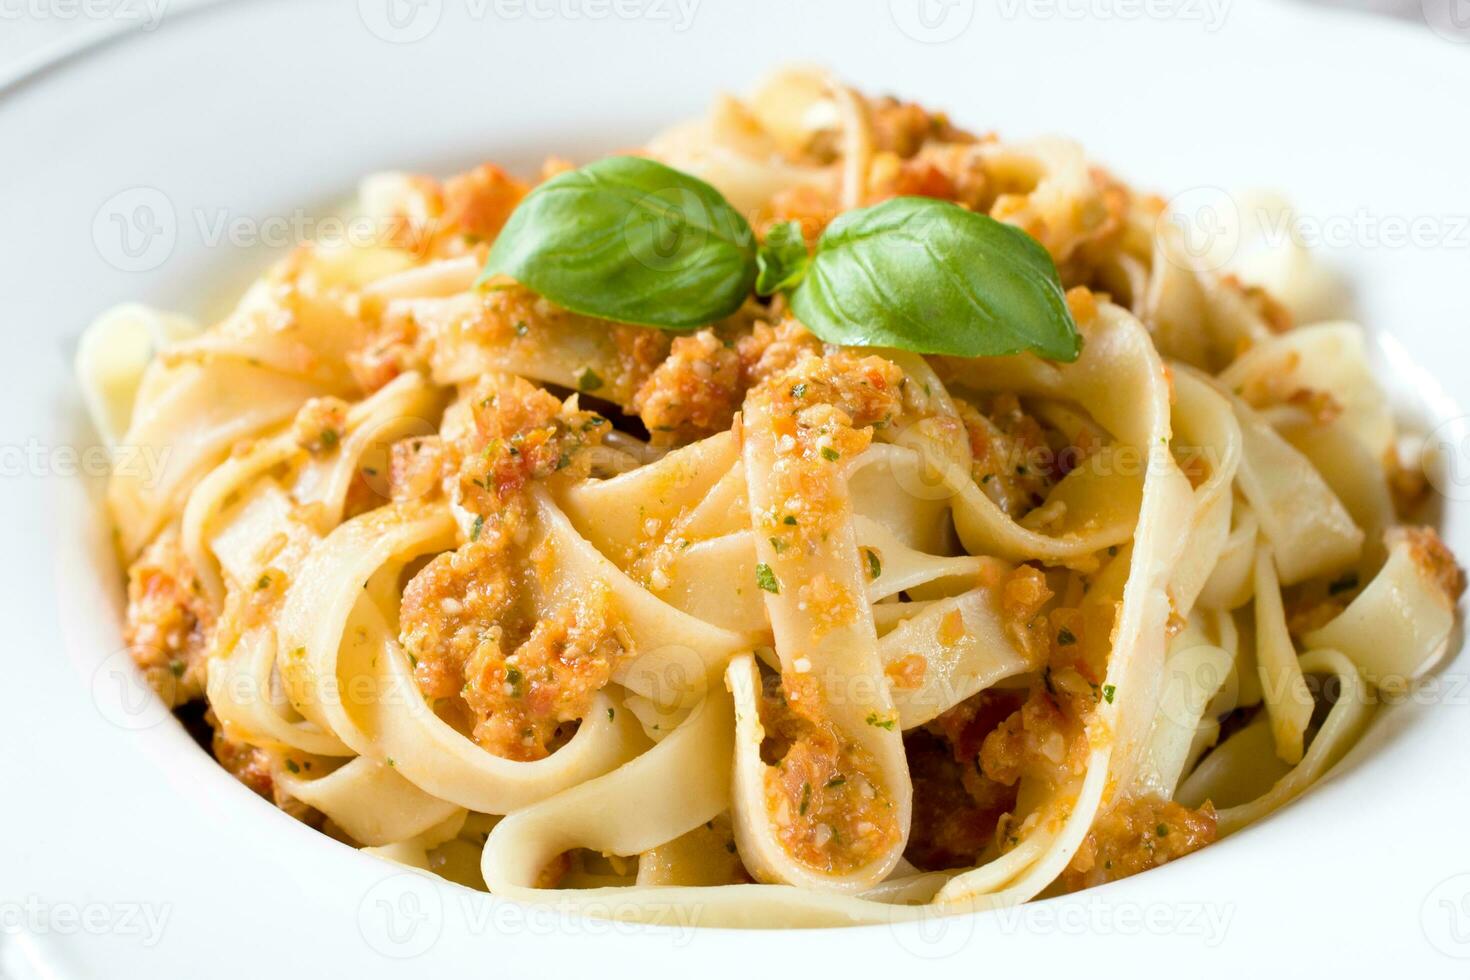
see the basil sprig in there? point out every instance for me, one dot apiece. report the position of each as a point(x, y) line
point(632, 240)
point(927, 276)
point(782, 260)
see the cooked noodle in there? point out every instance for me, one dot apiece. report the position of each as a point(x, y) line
point(736, 621)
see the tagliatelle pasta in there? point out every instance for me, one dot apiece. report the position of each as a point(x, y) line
point(651, 620)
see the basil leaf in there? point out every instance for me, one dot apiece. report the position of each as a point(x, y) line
point(630, 240)
point(927, 276)
point(782, 260)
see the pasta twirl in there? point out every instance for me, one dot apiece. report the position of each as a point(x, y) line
point(748, 623)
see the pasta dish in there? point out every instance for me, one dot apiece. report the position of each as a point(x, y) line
point(821, 515)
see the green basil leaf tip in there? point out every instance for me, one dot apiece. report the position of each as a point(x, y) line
point(631, 240)
point(928, 276)
point(782, 259)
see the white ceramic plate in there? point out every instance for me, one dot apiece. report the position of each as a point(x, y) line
point(127, 171)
